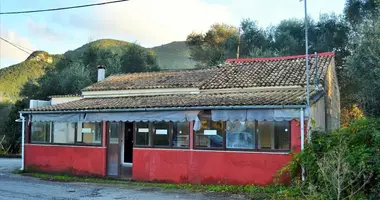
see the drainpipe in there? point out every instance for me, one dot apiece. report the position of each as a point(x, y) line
point(302, 138)
point(22, 140)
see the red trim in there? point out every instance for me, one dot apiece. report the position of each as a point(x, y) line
point(277, 58)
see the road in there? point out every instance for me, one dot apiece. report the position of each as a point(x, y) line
point(13, 186)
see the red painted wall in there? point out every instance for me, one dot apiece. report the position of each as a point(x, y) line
point(71, 159)
point(211, 167)
point(206, 167)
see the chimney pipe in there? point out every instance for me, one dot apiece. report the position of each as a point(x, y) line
point(101, 72)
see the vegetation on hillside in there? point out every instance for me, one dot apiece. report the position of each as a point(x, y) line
point(14, 77)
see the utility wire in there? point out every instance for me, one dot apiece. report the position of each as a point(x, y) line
point(62, 8)
point(17, 46)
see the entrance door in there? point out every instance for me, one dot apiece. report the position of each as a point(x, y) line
point(113, 151)
point(128, 143)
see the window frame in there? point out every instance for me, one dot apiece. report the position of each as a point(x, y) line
point(256, 149)
point(76, 143)
point(152, 136)
point(171, 137)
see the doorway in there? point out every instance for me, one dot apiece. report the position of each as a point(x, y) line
point(126, 158)
point(128, 143)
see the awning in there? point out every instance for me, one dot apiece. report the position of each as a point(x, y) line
point(255, 114)
point(118, 116)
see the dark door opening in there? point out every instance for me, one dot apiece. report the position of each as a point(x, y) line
point(128, 143)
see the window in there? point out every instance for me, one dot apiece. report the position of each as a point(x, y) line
point(282, 135)
point(63, 132)
point(210, 134)
point(142, 133)
point(181, 134)
point(240, 135)
point(163, 134)
point(114, 132)
point(89, 133)
point(66, 133)
point(40, 132)
point(161, 131)
point(274, 135)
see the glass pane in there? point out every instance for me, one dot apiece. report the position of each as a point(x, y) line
point(40, 132)
point(63, 132)
point(161, 133)
point(282, 131)
point(181, 134)
point(142, 133)
point(89, 133)
point(210, 134)
point(266, 134)
point(240, 135)
point(114, 132)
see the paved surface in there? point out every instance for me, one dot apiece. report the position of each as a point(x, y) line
point(14, 186)
point(9, 164)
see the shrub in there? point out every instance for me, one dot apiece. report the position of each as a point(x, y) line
point(342, 164)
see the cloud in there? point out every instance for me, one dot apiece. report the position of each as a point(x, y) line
point(43, 31)
point(10, 52)
point(152, 22)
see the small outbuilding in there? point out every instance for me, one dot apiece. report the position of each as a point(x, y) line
point(233, 124)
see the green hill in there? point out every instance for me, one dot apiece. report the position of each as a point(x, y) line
point(174, 55)
point(12, 78)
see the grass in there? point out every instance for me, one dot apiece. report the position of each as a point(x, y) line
point(252, 191)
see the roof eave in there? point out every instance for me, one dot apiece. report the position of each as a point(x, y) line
point(170, 109)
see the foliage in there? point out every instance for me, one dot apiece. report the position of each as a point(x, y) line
point(343, 164)
point(350, 114)
point(13, 128)
point(174, 55)
point(357, 11)
point(214, 46)
point(363, 66)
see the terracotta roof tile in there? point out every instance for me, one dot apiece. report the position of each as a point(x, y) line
point(154, 80)
point(266, 72)
point(270, 97)
point(235, 73)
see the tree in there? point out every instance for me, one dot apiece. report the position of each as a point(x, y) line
point(357, 11)
point(213, 47)
point(364, 68)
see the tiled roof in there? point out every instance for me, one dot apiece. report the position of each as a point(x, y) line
point(267, 97)
point(154, 80)
point(235, 73)
point(264, 72)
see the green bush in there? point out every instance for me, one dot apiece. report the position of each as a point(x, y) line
point(342, 164)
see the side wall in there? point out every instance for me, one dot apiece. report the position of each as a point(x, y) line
point(211, 167)
point(318, 114)
point(332, 98)
point(78, 160)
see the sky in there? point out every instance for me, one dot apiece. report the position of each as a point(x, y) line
point(145, 22)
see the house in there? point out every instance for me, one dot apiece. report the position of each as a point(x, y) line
point(233, 124)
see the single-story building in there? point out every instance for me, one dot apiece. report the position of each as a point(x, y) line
point(233, 124)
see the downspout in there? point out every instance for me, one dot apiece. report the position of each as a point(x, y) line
point(302, 138)
point(22, 140)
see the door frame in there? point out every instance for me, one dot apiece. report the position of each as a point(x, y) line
point(122, 143)
point(108, 147)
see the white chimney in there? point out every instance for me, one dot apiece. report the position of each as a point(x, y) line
point(101, 72)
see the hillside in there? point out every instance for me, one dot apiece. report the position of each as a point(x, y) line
point(14, 77)
point(169, 56)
